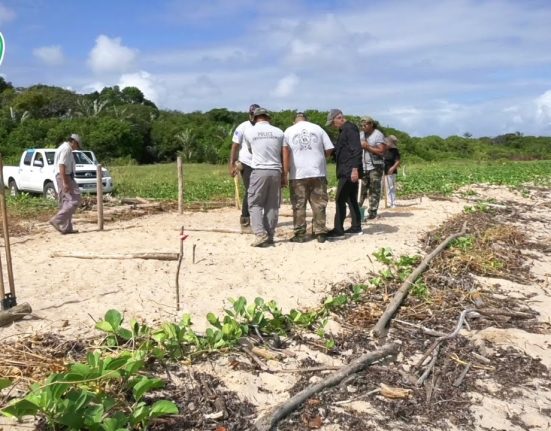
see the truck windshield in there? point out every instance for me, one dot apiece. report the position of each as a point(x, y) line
point(50, 156)
point(81, 158)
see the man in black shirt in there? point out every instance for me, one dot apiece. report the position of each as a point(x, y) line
point(348, 155)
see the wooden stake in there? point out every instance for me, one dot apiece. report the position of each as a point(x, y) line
point(180, 168)
point(147, 256)
point(99, 194)
point(266, 423)
point(180, 258)
point(380, 327)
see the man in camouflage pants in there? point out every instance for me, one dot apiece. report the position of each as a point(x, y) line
point(305, 147)
point(373, 144)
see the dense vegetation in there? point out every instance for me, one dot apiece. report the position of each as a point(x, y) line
point(123, 127)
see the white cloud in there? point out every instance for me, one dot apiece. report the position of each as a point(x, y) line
point(109, 55)
point(286, 85)
point(146, 82)
point(51, 55)
point(543, 109)
point(6, 14)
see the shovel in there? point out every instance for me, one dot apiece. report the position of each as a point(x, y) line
point(8, 299)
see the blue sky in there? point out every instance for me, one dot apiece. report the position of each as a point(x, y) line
point(424, 67)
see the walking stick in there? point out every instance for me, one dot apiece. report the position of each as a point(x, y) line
point(385, 189)
point(8, 299)
point(236, 183)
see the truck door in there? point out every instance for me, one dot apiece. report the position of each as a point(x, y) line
point(33, 174)
point(26, 170)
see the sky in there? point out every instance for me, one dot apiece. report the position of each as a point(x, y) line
point(444, 68)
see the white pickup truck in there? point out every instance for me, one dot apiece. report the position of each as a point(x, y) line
point(35, 174)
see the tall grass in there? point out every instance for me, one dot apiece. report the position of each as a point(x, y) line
point(212, 183)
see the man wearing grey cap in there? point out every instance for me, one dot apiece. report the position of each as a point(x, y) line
point(348, 155)
point(265, 142)
point(67, 188)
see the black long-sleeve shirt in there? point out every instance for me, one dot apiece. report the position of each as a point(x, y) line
point(348, 151)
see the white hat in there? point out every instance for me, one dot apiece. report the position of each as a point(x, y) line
point(76, 138)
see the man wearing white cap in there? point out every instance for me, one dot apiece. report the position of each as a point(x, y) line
point(241, 161)
point(67, 188)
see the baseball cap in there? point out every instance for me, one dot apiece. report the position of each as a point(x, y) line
point(253, 107)
point(260, 111)
point(76, 138)
point(391, 141)
point(331, 116)
point(367, 119)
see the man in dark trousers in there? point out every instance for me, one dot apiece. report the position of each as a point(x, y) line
point(241, 161)
point(348, 155)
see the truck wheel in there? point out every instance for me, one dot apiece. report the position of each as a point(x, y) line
point(49, 191)
point(14, 190)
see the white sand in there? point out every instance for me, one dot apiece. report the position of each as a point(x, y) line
point(68, 294)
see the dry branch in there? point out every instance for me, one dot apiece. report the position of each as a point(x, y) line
point(464, 314)
point(14, 314)
point(401, 294)
point(217, 230)
point(147, 256)
point(266, 423)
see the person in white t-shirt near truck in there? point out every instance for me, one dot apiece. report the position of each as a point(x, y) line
point(67, 188)
point(306, 146)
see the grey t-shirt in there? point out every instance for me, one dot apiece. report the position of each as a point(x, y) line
point(374, 140)
point(264, 141)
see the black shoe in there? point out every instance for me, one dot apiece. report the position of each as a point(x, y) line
point(298, 238)
point(321, 237)
point(334, 234)
point(371, 216)
point(354, 230)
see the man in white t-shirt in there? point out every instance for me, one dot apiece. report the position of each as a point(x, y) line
point(67, 188)
point(306, 145)
point(265, 142)
point(240, 162)
point(373, 144)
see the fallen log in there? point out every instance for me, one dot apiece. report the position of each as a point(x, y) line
point(89, 255)
point(216, 230)
point(14, 314)
point(380, 327)
point(268, 422)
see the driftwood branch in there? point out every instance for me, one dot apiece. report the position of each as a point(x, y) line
point(147, 256)
point(464, 314)
point(14, 314)
point(380, 327)
point(267, 423)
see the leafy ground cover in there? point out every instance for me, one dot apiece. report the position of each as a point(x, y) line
point(211, 182)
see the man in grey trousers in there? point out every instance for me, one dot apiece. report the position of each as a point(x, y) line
point(265, 142)
point(68, 192)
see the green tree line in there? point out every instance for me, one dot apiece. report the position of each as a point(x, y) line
point(122, 126)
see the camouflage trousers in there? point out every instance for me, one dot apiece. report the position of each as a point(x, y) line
point(371, 182)
point(314, 191)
